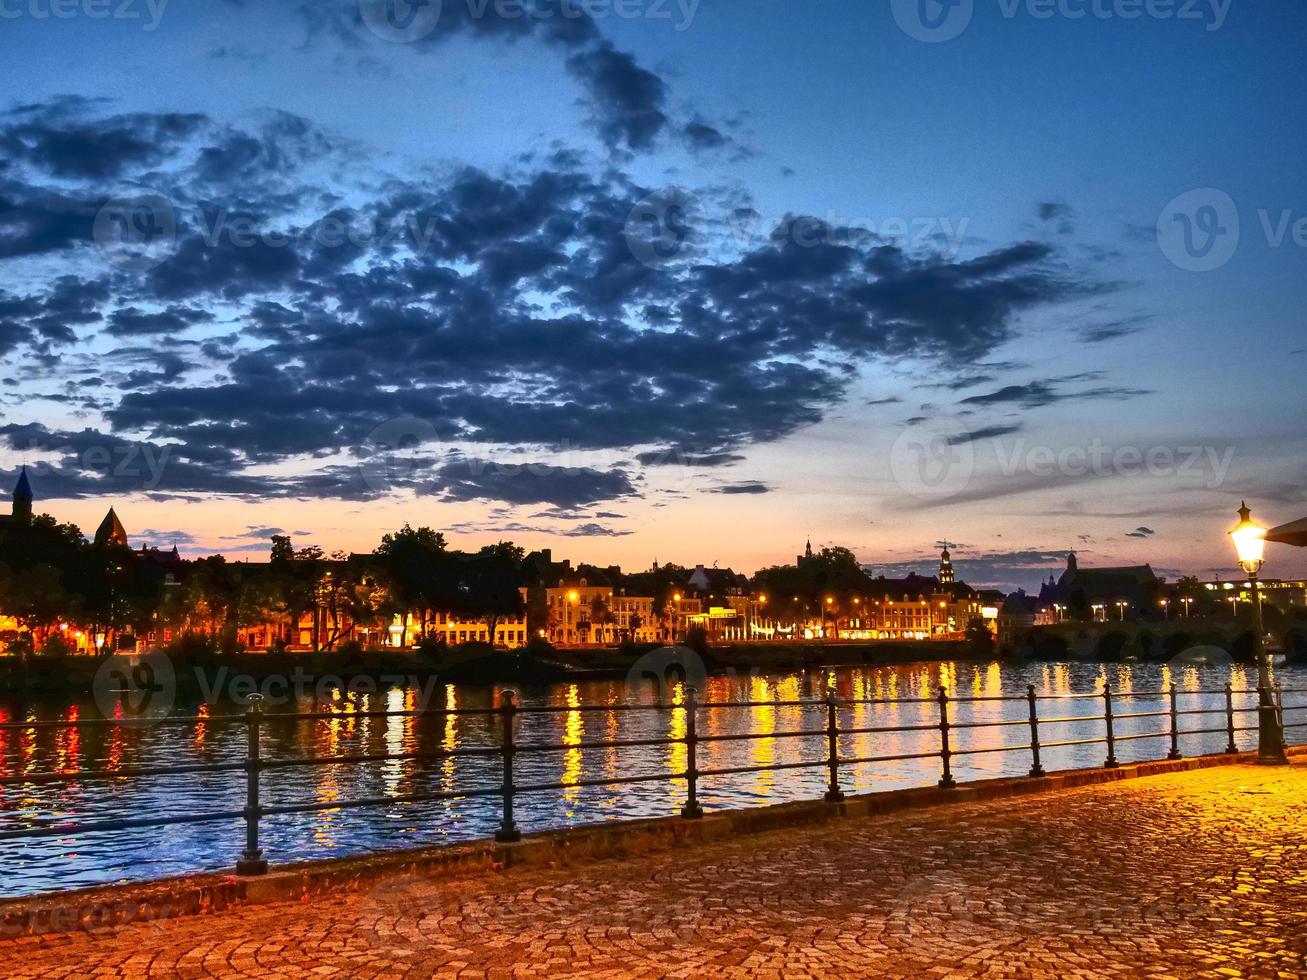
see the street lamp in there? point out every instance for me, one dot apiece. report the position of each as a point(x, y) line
point(1121, 605)
point(1166, 607)
point(1250, 545)
point(1187, 602)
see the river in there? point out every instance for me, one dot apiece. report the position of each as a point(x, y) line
point(47, 864)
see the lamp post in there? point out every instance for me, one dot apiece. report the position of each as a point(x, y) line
point(1187, 603)
point(1250, 545)
point(1166, 607)
point(1121, 607)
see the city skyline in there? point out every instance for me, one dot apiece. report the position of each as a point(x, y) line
point(605, 283)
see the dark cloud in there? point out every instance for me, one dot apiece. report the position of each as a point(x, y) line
point(594, 531)
point(628, 99)
point(1113, 329)
point(522, 317)
point(745, 488)
point(987, 432)
point(1141, 532)
point(566, 487)
point(1040, 393)
point(45, 138)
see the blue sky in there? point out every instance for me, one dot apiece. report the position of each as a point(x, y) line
point(618, 340)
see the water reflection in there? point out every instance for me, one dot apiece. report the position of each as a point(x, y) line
point(423, 742)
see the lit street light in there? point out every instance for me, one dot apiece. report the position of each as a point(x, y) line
point(1250, 545)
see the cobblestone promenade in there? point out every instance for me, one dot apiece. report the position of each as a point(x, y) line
point(1200, 873)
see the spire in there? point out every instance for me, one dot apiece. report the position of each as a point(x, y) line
point(111, 531)
point(22, 509)
point(807, 551)
point(945, 566)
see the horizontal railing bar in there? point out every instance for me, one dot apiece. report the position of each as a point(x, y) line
point(351, 715)
point(563, 709)
point(1203, 731)
point(331, 760)
point(889, 729)
point(127, 772)
point(1072, 741)
point(1140, 714)
point(318, 806)
point(980, 698)
point(1201, 711)
point(707, 705)
point(133, 823)
point(888, 701)
point(1068, 720)
point(15, 726)
point(750, 736)
point(1131, 738)
point(865, 759)
point(661, 777)
point(617, 743)
point(993, 748)
point(988, 724)
point(775, 767)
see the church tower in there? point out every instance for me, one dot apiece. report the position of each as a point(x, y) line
point(22, 500)
point(945, 567)
point(111, 532)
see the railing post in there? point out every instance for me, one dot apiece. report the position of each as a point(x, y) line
point(1111, 762)
point(692, 810)
point(833, 793)
point(1175, 725)
point(1229, 718)
point(507, 832)
point(946, 781)
point(251, 861)
point(1036, 769)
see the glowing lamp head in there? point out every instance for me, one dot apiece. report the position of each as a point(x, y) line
point(1249, 541)
point(676, 597)
point(830, 600)
point(574, 596)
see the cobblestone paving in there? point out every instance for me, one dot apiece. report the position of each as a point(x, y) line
point(1188, 874)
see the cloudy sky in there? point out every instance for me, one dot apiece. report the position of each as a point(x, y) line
point(660, 279)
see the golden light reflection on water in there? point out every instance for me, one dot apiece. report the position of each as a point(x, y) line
point(573, 759)
point(678, 755)
point(764, 723)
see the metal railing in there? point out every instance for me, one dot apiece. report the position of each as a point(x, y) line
point(833, 761)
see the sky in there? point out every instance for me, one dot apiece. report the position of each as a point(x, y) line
point(664, 280)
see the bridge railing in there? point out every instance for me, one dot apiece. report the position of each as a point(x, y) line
point(1174, 724)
